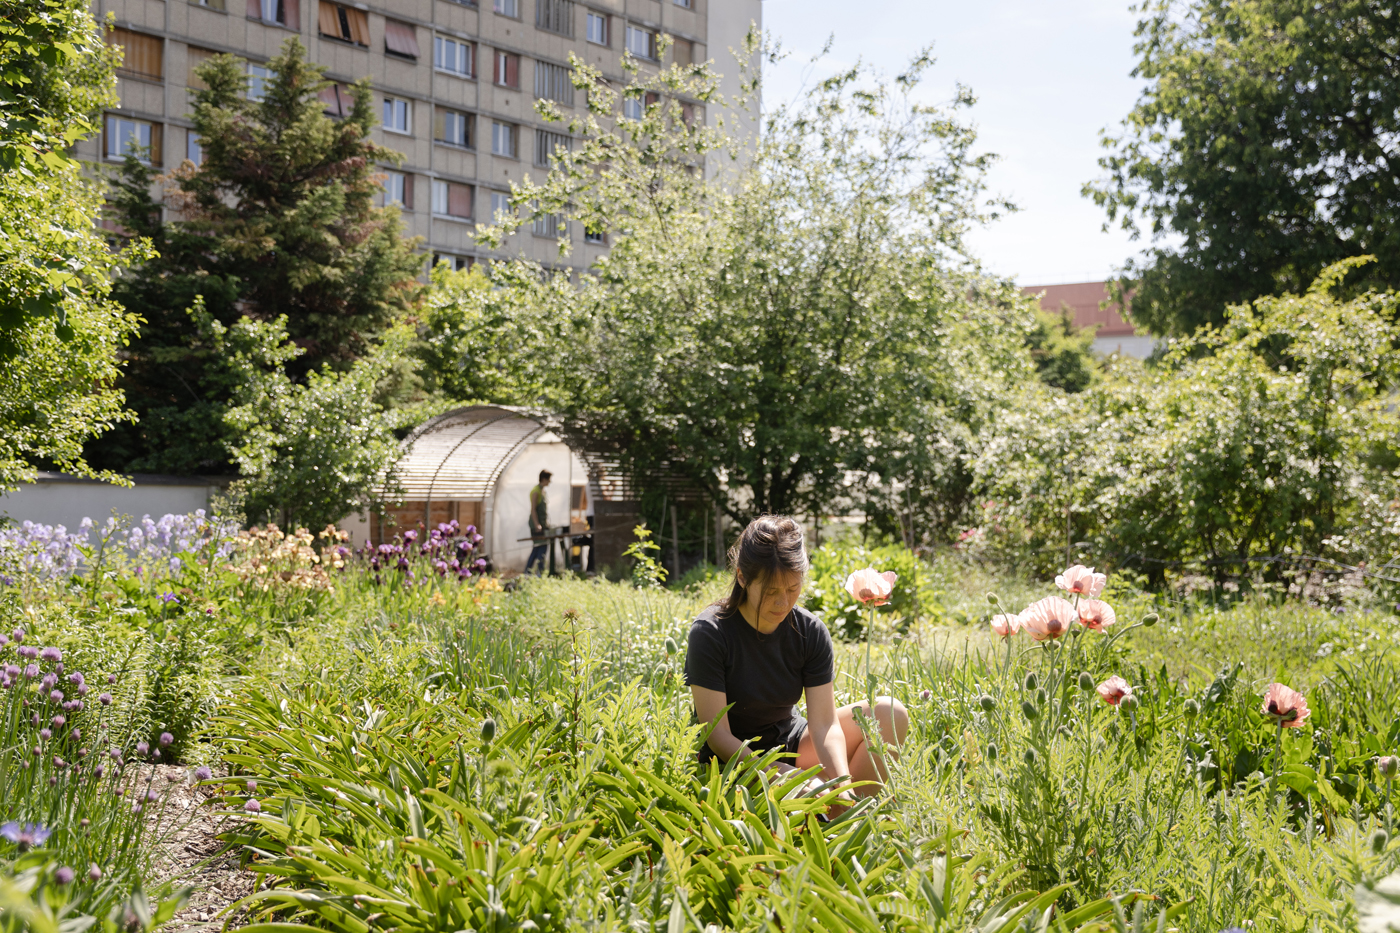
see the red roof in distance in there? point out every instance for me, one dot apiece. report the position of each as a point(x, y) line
point(1082, 299)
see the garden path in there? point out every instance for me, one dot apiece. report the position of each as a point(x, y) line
point(188, 852)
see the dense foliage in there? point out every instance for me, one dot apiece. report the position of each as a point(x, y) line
point(1260, 152)
point(60, 331)
point(278, 219)
point(1273, 434)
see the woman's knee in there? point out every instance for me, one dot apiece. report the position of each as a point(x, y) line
point(893, 719)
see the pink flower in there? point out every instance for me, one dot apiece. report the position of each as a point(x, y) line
point(870, 586)
point(1114, 689)
point(1049, 618)
point(1006, 625)
point(1081, 581)
point(1285, 706)
point(1096, 614)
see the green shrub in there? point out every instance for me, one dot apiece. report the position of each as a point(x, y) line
point(826, 595)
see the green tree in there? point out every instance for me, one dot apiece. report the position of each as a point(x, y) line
point(1063, 353)
point(60, 332)
point(309, 452)
point(1275, 431)
point(771, 330)
point(278, 219)
point(1262, 149)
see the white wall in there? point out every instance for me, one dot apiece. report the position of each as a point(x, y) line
point(510, 513)
point(727, 22)
point(67, 501)
point(1138, 346)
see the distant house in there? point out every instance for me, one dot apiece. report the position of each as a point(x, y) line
point(1083, 299)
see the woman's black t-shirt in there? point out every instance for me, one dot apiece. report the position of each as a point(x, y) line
point(762, 675)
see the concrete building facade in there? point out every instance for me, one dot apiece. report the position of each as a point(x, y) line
point(454, 87)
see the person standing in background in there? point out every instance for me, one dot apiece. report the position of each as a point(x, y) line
point(539, 522)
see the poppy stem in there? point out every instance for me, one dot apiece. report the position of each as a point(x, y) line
point(869, 681)
point(1278, 747)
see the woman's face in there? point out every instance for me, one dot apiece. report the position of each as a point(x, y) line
point(770, 599)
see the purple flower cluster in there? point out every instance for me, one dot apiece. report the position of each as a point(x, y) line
point(51, 552)
point(448, 551)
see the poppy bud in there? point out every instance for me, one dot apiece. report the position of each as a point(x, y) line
point(987, 702)
point(1041, 696)
point(1031, 681)
point(488, 730)
point(1030, 756)
point(1128, 703)
point(1029, 710)
point(1379, 839)
point(1150, 619)
point(992, 598)
point(670, 645)
point(1388, 766)
point(1086, 682)
point(992, 752)
point(1191, 708)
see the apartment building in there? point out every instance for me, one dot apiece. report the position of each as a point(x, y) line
point(454, 82)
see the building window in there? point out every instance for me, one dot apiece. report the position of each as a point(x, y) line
point(398, 189)
point(142, 55)
point(507, 7)
point(632, 108)
point(595, 237)
point(194, 58)
point(503, 139)
point(641, 42)
point(344, 23)
point(209, 4)
point(338, 100)
point(500, 207)
point(455, 56)
point(269, 11)
point(258, 76)
point(455, 263)
point(400, 39)
point(507, 72)
point(193, 150)
point(555, 16)
point(398, 115)
point(683, 52)
point(547, 144)
point(684, 3)
point(453, 128)
point(548, 225)
point(137, 137)
point(552, 83)
point(597, 28)
point(451, 199)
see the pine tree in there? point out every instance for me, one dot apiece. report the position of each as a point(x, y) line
point(278, 219)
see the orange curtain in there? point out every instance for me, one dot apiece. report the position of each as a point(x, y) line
point(327, 19)
point(359, 26)
point(400, 38)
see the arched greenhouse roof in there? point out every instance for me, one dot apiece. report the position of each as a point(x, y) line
point(461, 454)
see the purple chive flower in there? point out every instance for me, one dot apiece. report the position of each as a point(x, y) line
point(75, 678)
point(114, 754)
point(31, 671)
point(165, 739)
point(202, 773)
point(12, 670)
point(94, 873)
point(152, 796)
point(45, 734)
point(135, 806)
point(4, 640)
point(111, 678)
point(78, 704)
point(98, 771)
point(252, 806)
point(28, 652)
point(25, 835)
point(51, 654)
point(105, 699)
point(56, 696)
point(83, 690)
point(77, 735)
point(58, 722)
point(143, 748)
point(252, 786)
point(17, 635)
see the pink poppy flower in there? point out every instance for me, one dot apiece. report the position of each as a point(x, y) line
point(870, 586)
point(1048, 618)
point(1114, 689)
point(1096, 615)
point(1081, 581)
point(1005, 624)
point(1285, 706)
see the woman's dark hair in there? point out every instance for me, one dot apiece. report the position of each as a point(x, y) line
point(772, 544)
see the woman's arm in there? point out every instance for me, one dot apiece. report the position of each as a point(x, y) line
point(722, 742)
point(827, 738)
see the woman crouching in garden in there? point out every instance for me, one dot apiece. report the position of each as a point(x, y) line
point(760, 651)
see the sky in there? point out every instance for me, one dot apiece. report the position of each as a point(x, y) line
point(1048, 76)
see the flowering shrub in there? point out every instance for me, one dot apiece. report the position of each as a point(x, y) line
point(826, 595)
point(269, 557)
